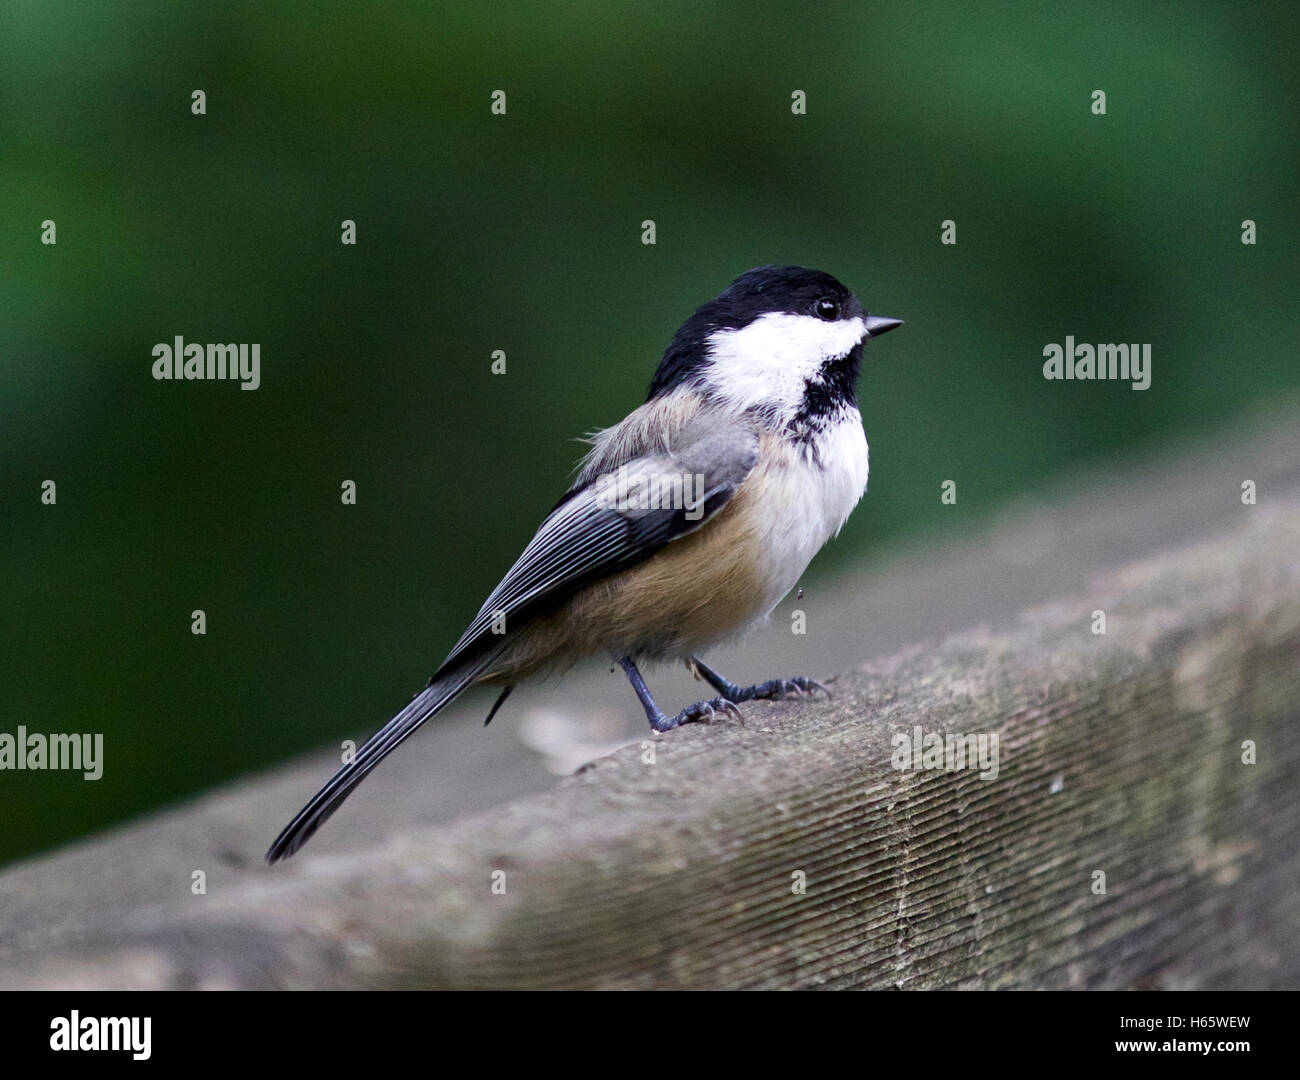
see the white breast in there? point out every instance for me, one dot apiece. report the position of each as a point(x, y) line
point(806, 497)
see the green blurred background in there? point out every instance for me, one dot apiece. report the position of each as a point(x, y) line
point(523, 233)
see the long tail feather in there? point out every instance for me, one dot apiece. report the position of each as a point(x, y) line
point(441, 691)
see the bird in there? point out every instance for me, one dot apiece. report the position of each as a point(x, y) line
point(687, 522)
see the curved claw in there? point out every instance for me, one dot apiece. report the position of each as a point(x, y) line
point(813, 685)
point(803, 687)
point(705, 710)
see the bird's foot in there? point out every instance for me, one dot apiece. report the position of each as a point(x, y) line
point(776, 689)
point(773, 689)
point(701, 710)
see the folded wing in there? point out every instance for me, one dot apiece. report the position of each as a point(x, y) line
point(591, 535)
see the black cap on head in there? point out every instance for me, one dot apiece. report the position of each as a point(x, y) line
point(765, 289)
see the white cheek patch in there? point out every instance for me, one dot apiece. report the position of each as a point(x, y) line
point(770, 361)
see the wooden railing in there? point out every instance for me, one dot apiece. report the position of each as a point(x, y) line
point(1141, 829)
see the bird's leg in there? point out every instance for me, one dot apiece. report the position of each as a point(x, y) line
point(701, 710)
point(773, 688)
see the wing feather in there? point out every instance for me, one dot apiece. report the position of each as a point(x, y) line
point(585, 539)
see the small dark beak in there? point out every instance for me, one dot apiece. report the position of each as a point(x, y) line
point(881, 324)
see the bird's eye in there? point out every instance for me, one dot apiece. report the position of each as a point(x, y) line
point(827, 309)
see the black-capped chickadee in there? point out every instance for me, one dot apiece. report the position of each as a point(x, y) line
point(687, 523)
